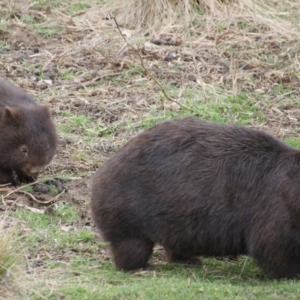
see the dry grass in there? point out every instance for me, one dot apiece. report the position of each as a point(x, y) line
point(18, 280)
point(9, 254)
point(160, 16)
point(231, 48)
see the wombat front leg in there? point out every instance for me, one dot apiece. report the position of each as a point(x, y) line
point(181, 258)
point(131, 254)
point(23, 178)
point(6, 176)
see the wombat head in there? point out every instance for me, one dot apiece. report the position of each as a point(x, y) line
point(28, 139)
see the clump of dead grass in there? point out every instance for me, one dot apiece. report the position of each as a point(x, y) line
point(169, 15)
point(8, 255)
point(7, 249)
point(15, 282)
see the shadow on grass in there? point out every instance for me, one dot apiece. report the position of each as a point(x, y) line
point(241, 269)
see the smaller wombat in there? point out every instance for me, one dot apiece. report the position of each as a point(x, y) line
point(28, 138)
point(200, 188)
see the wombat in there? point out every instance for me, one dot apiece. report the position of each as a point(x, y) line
point(28, 138)
point(200, 188)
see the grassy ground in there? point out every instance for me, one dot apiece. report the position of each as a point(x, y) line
point(233, 66)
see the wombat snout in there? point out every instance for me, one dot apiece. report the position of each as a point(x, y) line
point(34, 170)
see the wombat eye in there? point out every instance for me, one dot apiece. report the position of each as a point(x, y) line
point(24, 149)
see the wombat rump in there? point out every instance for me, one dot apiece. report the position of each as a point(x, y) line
point(201, 189)
point(28, 138)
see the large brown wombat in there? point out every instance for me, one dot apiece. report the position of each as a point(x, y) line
point(201, 188)
point(27, 135)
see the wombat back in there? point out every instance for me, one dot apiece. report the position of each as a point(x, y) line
point(201, 189)
point(27, 134)
point(11, 95)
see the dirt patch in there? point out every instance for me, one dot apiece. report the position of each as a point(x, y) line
point(20, 37)
point(40, 199)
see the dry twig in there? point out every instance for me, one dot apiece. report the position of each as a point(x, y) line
point(146, 70)
point(19, 190)
point(5, 187)
point(279, 126)
point(42, 202)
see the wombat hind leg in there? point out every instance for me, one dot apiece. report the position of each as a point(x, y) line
point(131, 254)
point(182, 259)
point(280, 269)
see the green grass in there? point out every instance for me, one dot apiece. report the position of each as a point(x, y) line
point(67, 213)
point(215, 280)
point(239, 110)
point(293, 142)
point(44, 3)
point(78, 7)
point(77, 124)
point(53, 190)
point(56, 232)
point(8, 257)
point(67, 75)
point(47, 30)
point(88, 276)
point(28, 189)
point(11, 259)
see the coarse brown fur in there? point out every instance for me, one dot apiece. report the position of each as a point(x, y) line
point(28, 138)
point(201, 189)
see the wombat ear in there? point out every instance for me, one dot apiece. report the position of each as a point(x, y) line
point(10, 115)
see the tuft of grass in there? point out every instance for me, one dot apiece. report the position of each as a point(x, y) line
point(53, 190)
point(140, 13)
point(293, 142)
point(84, 125)
point(67, 74)
point(78, 7)
point(47, 30)
point(225, 109)
point(7, 250)
point(45, 3)
point(164, 14)
point(28, 189)
point(9, 257)
point(68, 214)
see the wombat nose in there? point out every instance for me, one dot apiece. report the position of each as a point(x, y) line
point(36, 170)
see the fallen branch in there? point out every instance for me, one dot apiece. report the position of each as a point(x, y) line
point(41, 202)
point(5, 184)
point(19, 190)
